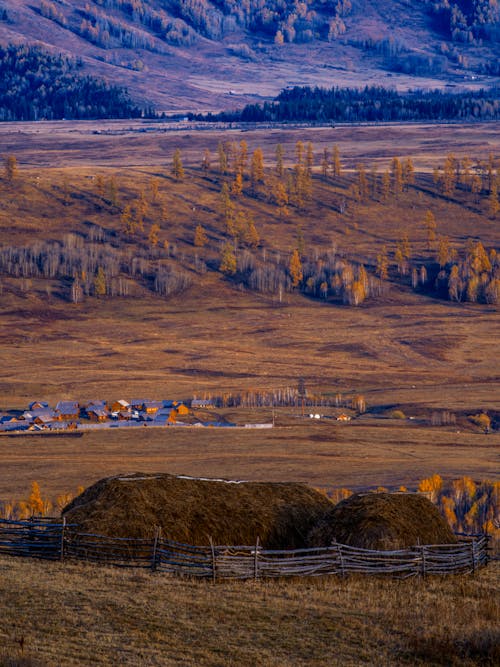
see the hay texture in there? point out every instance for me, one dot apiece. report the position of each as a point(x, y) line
point(193, 511)
point(382, 521)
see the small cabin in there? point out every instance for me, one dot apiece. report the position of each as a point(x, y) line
point(121, 406)
point(151, 407)
point(67, 410)
point(199, 403)
point(38, 405)
point(97, 415)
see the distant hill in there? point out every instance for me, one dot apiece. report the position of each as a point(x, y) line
point(201, 55)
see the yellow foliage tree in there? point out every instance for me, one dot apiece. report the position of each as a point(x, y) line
point(228, 263)
point(200, 237)
point(431, 485)
point(154, 235)
point(295, 268)
point(35, 500)
point(177, 167)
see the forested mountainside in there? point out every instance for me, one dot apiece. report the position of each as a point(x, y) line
point(36, 85)
point(202, 53)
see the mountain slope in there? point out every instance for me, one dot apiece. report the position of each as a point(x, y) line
point(199, 55)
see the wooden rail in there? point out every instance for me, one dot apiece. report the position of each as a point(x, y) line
point(39, 538)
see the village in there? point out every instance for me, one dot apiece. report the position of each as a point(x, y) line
point(72, 416)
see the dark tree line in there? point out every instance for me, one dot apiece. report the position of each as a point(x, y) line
point(370, 104)
point(35, 85)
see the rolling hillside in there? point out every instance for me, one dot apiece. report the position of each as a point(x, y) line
point(201, 55)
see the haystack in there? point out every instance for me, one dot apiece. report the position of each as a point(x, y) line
point(194, 510)
point(382, 521)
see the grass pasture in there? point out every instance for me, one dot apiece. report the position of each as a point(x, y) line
point(403, 350)
point(109, 616)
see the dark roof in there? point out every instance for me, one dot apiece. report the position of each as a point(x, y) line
point(96, 404)
point(36, 405)
point(67, 407)
point(152, 404)
point(30, 415)
point(139, 401)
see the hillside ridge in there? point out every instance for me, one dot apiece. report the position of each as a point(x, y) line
point(209, 55)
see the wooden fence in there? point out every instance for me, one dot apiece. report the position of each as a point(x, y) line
point(42, 538)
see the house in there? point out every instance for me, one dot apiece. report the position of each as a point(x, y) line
point(137, 403)
point(38, 405)
point(44, 414)
point(152, 407)
point(97, 415)
point(121, 406)
point(180, 408)
point(198, 403)
point(45, 419)
point(97, 404)
point(67, 410)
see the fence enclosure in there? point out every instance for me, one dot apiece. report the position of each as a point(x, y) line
point(45, 539)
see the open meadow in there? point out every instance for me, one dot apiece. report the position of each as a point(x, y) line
point(402, 348)
point(124, 273)
point(75, 614)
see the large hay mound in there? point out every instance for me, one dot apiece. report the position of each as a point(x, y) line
point(194, 510)
point(382, 521)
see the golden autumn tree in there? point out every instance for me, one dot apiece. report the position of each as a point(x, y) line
point(10, 167)
point(228, 263)
point(257, 167)
point(206, 161)
point(99, 283)
point(295, 268)
point(432, 486)
point(237, 185)
point(336, 165)
point(280, 166)
point(35, 500)
point(177, 166)
point(386, 185)
point(494, 204)
point(397, 176)
point(154, 234)
point(382, 268)
point(309, 158)
point(200, 237)
point(430, 228)
point(325, 163)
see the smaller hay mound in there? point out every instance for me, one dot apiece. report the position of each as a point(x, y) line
point(382, 521)
point(193, 511)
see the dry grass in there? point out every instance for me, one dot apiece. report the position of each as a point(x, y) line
point(405, 351)
point(74, 614)
point(321, 454)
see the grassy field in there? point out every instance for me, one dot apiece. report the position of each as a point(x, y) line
point(404, 349)
point(354, 455)
point(74, 614)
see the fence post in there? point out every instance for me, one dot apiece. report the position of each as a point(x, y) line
point(256, 561)
point(155, 548)
point(341, 558)
point(63, 530)
point(214, 561)
point(423, 562)
point(473, 555)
